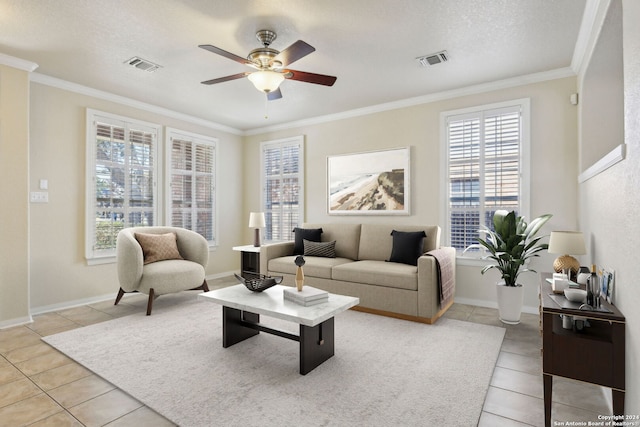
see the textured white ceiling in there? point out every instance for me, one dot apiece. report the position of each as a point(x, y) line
point(370, 45)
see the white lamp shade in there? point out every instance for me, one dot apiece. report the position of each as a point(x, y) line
point(266, 81)
point(256, 220)
point(567, 242)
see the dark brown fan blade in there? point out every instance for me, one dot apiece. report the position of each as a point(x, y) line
point(276, 94)
point(294, 52)
point(303, 76)
point(225, 79)
point(226, 54)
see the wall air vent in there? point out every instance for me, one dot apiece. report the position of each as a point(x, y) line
point(142, 64)
point(433, 59)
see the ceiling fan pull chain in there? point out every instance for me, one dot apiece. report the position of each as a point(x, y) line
point(266, 108)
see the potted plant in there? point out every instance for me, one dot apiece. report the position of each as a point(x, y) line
point(511, 244)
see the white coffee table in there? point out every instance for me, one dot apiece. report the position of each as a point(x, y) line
point(241, 310)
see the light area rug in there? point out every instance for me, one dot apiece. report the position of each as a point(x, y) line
point(384, 372)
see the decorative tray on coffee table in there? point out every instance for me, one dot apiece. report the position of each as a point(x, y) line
point(258, 282)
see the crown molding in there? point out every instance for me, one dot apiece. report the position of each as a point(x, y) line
point(84, 90)
point(410, 102)
point(426, 99)
point(595, 13)
point(584, 34)
point(20, 64)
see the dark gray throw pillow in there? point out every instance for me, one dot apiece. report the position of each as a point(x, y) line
point(311, 234)
point(407, 246)
point(322, 249)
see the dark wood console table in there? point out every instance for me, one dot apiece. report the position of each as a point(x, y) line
point(594, 355)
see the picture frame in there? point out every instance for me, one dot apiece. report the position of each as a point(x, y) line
point(369, 183)
point(608, 279)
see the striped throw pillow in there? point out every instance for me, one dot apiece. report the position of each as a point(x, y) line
point(321, 249)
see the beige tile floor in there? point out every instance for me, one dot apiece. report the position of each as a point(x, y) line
point(41, 387)
point(515, 395)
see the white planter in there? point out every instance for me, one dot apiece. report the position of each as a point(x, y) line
point(510, 303)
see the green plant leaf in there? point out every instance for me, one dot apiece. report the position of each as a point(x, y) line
point(499, 218)
point(511, 244)
point(536, 225)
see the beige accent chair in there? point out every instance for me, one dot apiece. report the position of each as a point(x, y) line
point(161, 277)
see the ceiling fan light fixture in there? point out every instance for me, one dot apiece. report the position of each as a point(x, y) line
point(266, 81)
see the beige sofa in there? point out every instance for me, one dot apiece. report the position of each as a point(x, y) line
point(360, 269)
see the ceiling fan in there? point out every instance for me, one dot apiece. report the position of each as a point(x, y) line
point(271, 65)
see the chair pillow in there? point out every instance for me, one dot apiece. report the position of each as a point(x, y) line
point(407, 246)
point(322, 249)
point(311, 234)
point(158, 247)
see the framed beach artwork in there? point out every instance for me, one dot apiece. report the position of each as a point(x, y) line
point(607, 282)
point(371, 183)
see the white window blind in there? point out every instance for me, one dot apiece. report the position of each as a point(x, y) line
point(485, 169)
point(192, 166)
point(121, 179)
point(282, 179)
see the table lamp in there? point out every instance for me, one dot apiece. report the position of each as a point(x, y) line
point(566, 243)
point(257, 221)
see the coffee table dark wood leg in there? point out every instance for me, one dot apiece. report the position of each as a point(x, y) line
point(233, 331)
point(316, 345)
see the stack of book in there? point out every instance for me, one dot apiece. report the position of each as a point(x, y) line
point(307, 296)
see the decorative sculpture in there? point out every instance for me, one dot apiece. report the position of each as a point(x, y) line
point(299, 273)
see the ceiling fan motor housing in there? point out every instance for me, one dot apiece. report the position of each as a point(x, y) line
point(266, 37)
point(263, 57)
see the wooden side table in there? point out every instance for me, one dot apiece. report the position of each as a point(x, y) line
point(249, 260)
point(595, 354)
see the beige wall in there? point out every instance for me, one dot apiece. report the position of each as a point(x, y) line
point(553, 157)
point(609, 202)
point(602, 129)
point(59, 272)
point(14, 180)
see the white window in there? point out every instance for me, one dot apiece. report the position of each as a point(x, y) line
point(486, 160)
point(282, 181)
point(191, 166)
point(122, 171)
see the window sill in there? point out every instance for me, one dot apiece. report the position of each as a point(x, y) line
point(471, 261)
point(101, 260)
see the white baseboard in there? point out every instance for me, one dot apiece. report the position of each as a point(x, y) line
point(224, 274)
point(92, 300)
point(16, 322)
point(73, 303)
point(493, 304)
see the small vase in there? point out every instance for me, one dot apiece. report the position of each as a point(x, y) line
point(299, 278)
point(510, 300)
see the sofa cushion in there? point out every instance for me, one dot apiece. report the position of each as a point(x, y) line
point(380, 273)
point(407, 246)
point(347, 237)
point(321, 249)
point(300, 234)
point(376, 242)
point(170, 276)
point(158, 247)
point(313, 267)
